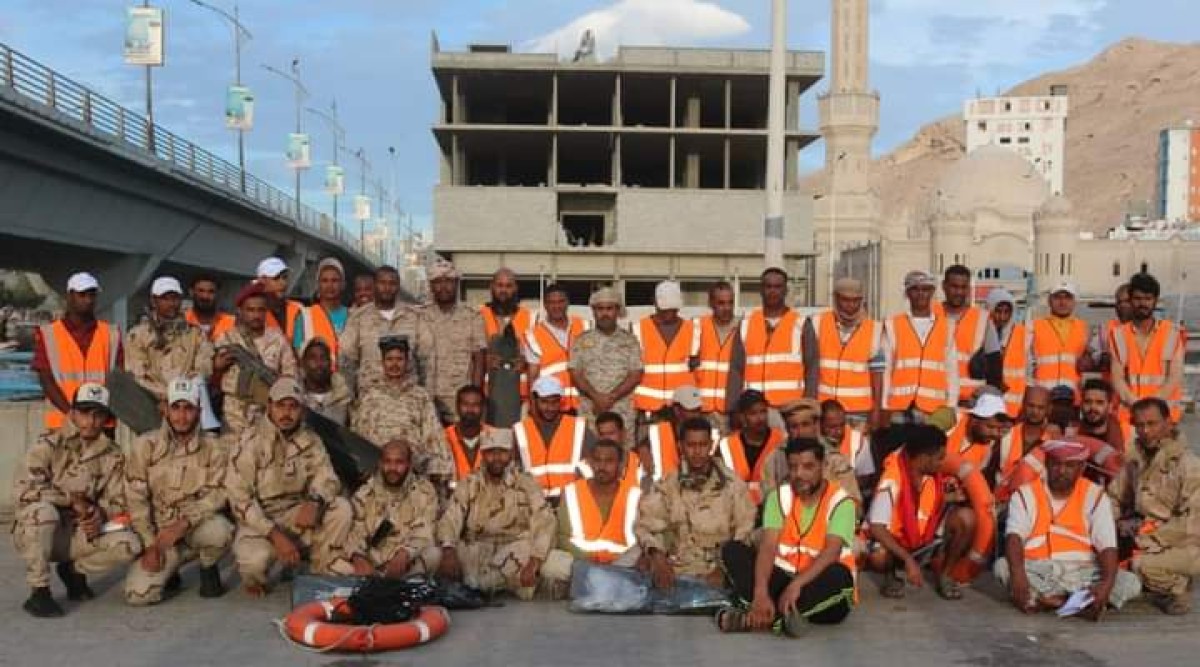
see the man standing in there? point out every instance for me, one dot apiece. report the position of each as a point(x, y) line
point(503, 310)
point(1102, 348)
point(1061, 538)
point(720, 358)
point(1159, 495)
point(844, 344)
point(1014, 346)
point(976, 345)
point(326, 318)
point(284, 493)
point(1097, 419)
point(919, 351)
point(550, 443)
point(747, 450)
point(667, 345)
point(1147, 360)
point(1059, 348)
point(326, 392)
point(395, 513)
point(497, 529)
point(683, 523)
point(358, 347)
point(251, 338)
point(772, 336)
point(606, 362)
point(549, 340)
point(70, 499)
point(803, 568)
point(164, 346)
point(464, 435)
point(175, 489)
point(204, 312)
point(282, 313)
point(75, 349)
point(451, 347)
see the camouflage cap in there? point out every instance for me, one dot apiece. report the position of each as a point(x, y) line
point(496, 438)
point(605, 296)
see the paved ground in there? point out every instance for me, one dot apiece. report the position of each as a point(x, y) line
point(981, 630)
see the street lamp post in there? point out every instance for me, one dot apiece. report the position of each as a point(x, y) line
point(240, 34)
point(339, 138)
point(776, 109)
point(363, 167)
point(301, 95)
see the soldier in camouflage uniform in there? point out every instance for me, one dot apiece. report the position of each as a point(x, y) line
point(394, 518)
point(399, 408)
point(451, 344)
point(1159, 496)
point(685, 519)
point(326, 391)
point(802, 419)
point(245, 400)
point(358, 345)
point(606, 364)
point(69, 500)
point(165, 346)
point(175, 489)
point(497, 530)
point(284, 493)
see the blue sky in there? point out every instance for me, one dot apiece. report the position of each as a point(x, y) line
point(373, 56)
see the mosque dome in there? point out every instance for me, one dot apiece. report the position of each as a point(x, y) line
point(1056, 213)
point(990, 177)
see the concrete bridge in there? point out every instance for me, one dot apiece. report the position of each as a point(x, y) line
point(86, 184)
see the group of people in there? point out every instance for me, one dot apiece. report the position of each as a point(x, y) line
point(773, 456)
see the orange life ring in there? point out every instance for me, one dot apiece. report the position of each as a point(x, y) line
point(310, 624)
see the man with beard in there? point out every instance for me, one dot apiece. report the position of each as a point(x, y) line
point(325, 392)
point(550, 443)
point(204, 312)
point(164, 346)
point(1097, 419)
point(394, 518)
point(549, 340)
point(497, 529)
point(606, 363)
point(503, 310)
point(463, 435)
point(844, 344)
point(283, 314)
point(803, 419)
point(175, 490)
point(975, 341)
point(978, 432)
point(1029, 431)
point(1061, 538)
point(803, 568)
point(284, 494)
point(358, 346)
point(363, 291)
point(451, 346)
point(243, 401)
point(1147, 360)
point(326, 317)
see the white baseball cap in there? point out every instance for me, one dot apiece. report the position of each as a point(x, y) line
point(668, 296)
point(1065, 286)
point(90, 395)
point(547, 385)
point(183, 389)
point(988, 406)
point(165, 285)
point(271, 267)
point(82, 282)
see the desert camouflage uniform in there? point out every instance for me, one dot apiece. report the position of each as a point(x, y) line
point(157, 353)
point(270, 476)
point(358, 345)
point(1164, 490)
point(837, 469)
point(412, 510)
point(389, 411)
point(689, 521)
point(605, 360)
point(58, 465)
point(276, 354)
point(167, 480)
point(334, 405)
point(446, 341)
point(497, 528)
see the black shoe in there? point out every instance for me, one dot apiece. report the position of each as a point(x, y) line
point(76, 583)
point(42, 605)
point(210, 582)
point(173, 584)
point(287, 574)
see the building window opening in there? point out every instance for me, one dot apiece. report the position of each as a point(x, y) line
point(1006, 140)
point(583, 231)
point(1116, 269)
point(983, 126)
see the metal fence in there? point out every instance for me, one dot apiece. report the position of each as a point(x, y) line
point(61, 97)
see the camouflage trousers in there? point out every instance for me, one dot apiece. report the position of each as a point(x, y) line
point(255, 554)
point(1170, 571)
point(424, 562)
point(43, 534)
point(206, 543)
point(492, 567)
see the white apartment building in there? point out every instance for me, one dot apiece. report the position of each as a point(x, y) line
point(1034, 127)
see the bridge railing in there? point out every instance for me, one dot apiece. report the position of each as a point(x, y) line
point(40, 84)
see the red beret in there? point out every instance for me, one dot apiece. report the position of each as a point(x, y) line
point(252, 289)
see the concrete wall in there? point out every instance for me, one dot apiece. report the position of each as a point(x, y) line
point(20, 425)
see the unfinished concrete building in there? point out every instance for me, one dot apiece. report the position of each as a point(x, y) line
point(648, 165)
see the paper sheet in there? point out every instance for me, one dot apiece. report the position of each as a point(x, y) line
point(1079, 600)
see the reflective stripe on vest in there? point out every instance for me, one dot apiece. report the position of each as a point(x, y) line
point(799, 547)
point(918, 370)
point(1054, 357)
point(553, 358)
point(664, 367)
point(733, 453)
point(712, 374)
point(553, 467)
point(774, 359)
point(71, 368)
point(845, 374)
point(664, 451)
point(890, 483)
point(221, 323)
point(520, 323)
point(852, 444)
point(1065, 536)
point(603, 541)
point(1015, 368)
point(292, 310)
point(969, 331)
point(462, 467)
point(318, 324)
point(1146, 372)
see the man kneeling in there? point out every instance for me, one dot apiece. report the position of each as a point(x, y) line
point(804, 566)
point(1061, 538)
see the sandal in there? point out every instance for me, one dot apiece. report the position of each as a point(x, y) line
point(893, 588)
point(731, 619)
point(949, 589)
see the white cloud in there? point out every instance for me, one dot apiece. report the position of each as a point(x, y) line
point(977, 33)
point(644, 23)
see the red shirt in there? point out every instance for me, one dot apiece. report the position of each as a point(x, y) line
point(81, 333)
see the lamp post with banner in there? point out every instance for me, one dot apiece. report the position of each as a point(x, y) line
point(299, 155)
point(334, 174)
point(362, 202)
point(144, 29)
point(239, 103)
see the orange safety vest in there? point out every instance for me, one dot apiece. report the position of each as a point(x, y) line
point(631, 475)
point(1012, 450)
point(918, 371)
point(845, 374)
point(1065, 536)
point(1106, 342)
point(552, 466)
point(1055, 358)
point(1015, 369)
point(733, 453)
point(930, 501)
point(1032, 467)
point(71, 367)
point(798, 546)
point(712, 375)
point(1146, 372)
point(554, 358)
point(292, 311)
point(976, 454)
point(604, 541)
point(664, 367)
point(774, 359)
point(969, 331)
point(221, 323)
point(664, 450)
point(521, 323)
point(853, 441)
point(462, 466)
point(317, 324)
